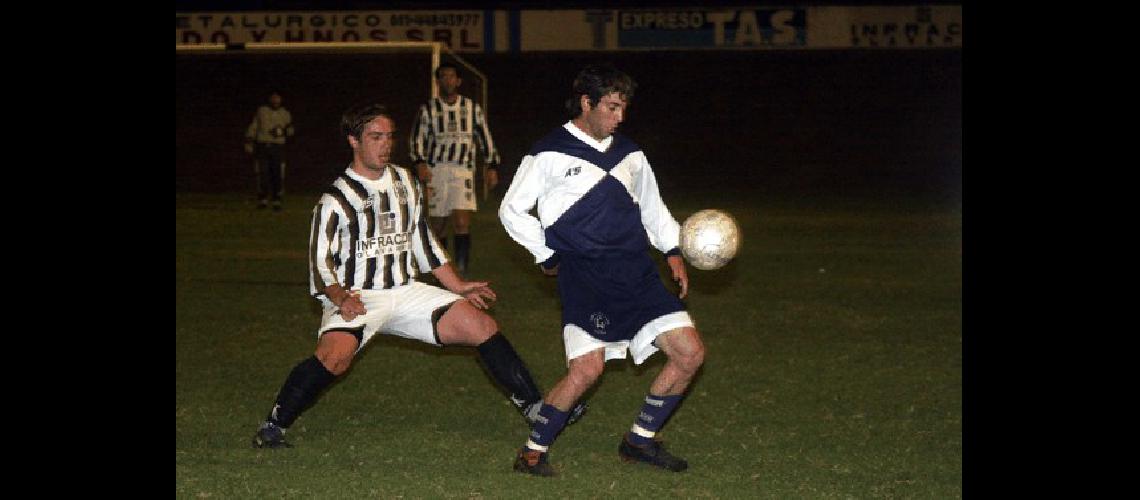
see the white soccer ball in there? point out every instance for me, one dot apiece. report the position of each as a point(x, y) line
point(710, 239)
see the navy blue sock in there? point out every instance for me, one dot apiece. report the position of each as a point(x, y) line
point(654, 413)
point(508, 370)
point(462, 250)
point(301, 388)
point(550, 422)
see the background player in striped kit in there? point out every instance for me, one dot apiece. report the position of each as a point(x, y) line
point(447, 133)
point(599, 210)
point(265, 138)
point(369, 238)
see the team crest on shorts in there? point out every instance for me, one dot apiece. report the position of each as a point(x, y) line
point(600, 322)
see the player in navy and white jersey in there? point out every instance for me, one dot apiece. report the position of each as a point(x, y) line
point(599, 211)
point(449, 131)
point(369, 239)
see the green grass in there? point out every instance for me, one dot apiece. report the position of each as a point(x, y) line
point(834, 367)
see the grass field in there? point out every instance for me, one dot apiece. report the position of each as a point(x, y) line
point(834, 367)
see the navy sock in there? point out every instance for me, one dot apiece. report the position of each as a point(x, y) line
point(301, 388)
point(462, 250)
point(654, 413)
point(508, 370)
point(550, 422)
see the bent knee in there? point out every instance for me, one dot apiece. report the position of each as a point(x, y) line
point(585, 373)
point(691, 355)
point(335, 351)
point(335, 363)
point(482, 329)
point(474, 323)
point(485, 324)
point(696, 358)
point(466, 325)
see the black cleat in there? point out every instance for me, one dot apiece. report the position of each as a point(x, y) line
point(652, 454)
point(530, 412)
point(270, 436)
point(533, 462)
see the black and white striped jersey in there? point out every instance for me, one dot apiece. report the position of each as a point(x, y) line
point(371, 235)
point(450, 133)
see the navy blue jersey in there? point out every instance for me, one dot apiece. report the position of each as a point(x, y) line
point(599, 211)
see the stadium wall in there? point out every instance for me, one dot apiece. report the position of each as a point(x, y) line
point(744, 119)
point(642, 28)
point(861, 117)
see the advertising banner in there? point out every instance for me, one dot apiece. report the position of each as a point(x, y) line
point(672, 28)
point(461, 30)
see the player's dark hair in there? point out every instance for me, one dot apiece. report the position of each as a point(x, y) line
point(455, 68)
point(597, 81)
point(353, 120)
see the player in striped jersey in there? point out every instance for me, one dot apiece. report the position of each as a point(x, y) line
point(447, 134)
point(599, 211)
point(369, 240)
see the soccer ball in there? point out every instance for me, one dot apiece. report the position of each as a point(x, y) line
point(709, 239)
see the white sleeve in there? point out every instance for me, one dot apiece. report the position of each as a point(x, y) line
point(514, 212)
point(426, 249)
point(324, 245)
point(420, 137)
point(483, 137)
point(663, 230)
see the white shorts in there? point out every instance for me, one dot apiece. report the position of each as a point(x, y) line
point(404, 311)
point(452, 188)
point(578, 342)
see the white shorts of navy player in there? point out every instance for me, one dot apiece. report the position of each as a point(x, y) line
point(586, 354)
point(673, 333)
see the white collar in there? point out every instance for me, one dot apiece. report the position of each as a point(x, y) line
point(383, 177)
point(601, 146)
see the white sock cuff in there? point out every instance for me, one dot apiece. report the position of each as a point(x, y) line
point(536, 447)
point(641, 431)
